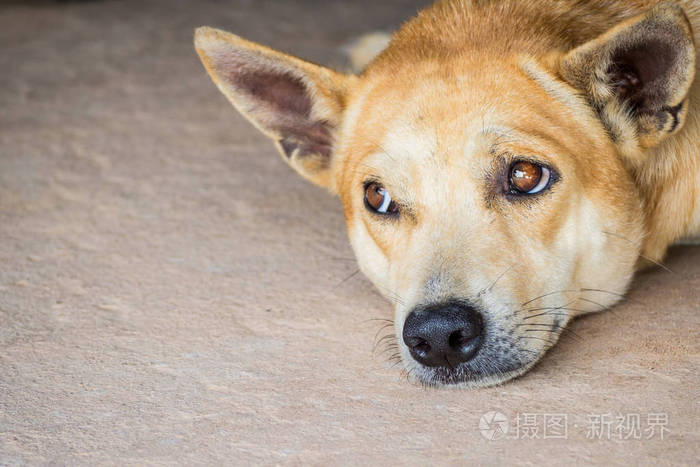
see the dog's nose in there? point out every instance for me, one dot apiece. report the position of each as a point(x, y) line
point(443, 335)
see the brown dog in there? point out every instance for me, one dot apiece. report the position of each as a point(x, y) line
point(504, 166)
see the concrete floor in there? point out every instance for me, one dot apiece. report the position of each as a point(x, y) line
point(171, 293)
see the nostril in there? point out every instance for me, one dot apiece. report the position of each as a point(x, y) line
point(463, 339)
point(419, 345)
point(423, 348)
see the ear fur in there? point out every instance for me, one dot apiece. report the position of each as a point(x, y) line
point(296, 103)
point(637, 76)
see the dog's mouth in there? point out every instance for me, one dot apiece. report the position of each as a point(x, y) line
point(496, 362)
point(486, 370)
point(453, 344)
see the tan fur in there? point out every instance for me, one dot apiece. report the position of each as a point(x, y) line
point(461, 90)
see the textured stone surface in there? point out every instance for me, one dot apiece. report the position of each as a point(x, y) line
point(171, 292)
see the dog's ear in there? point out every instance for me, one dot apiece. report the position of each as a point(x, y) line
point(637, 77)
point(296, 103)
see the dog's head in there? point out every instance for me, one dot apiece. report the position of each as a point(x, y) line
point(488, 195)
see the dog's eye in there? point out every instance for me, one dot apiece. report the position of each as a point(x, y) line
point(528, 177)
point(379, 200)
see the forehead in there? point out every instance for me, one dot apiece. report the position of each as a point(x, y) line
point(449, 114)
point(439, 114)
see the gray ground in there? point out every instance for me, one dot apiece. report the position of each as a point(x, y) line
point(170, 292)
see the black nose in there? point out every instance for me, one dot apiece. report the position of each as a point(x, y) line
point(443, 335)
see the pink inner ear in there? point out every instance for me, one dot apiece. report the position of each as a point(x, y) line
point(314, 138)
point(281, 91)
point(640, 74)
point(265, 83)
point(280, 102)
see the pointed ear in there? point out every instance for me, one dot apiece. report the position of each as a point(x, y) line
point(637, 77)
point(296, 103)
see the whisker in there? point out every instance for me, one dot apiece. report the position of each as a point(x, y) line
point(392, 364)
point(661, 265)
point(357, 271)
point(555, 308)
point(547, 295)
point(549, 325)
point(538, 338)
point(602, 307)
point(397, 362)
point(583, 290)
point(383, 339)
point(382, 328)
point(545, 308)
point(488, 289)
point(386, 320)
point(617, 294)
point(383, 352)
point(393, 296)
point(546, 313)
point(560, 328)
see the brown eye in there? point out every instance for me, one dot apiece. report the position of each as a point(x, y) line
point(528, 177)
point(379, 200)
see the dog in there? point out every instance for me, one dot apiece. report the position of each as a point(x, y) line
point(504, 166)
